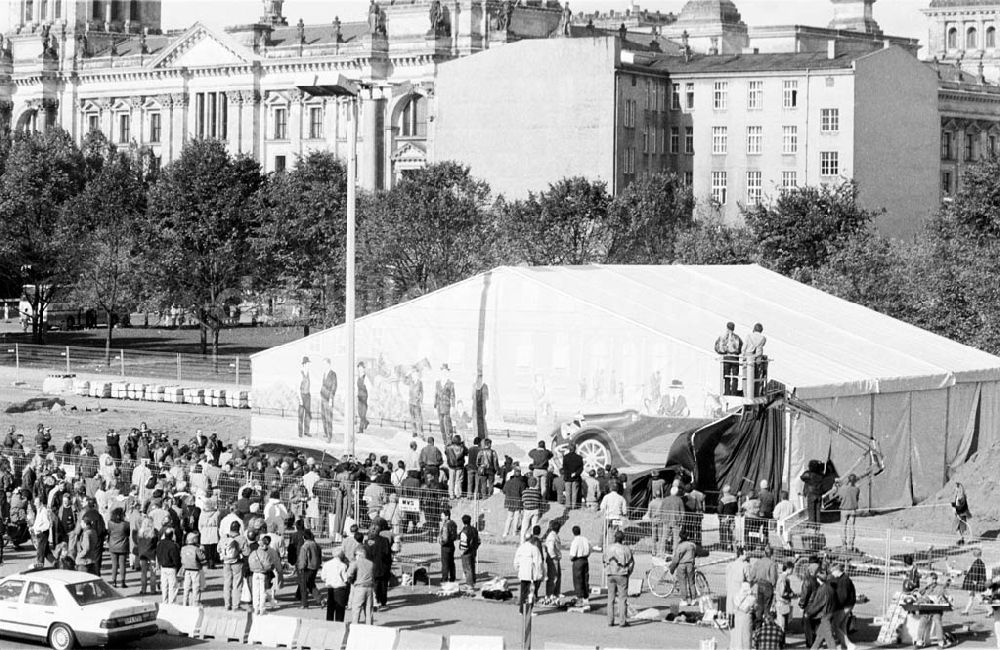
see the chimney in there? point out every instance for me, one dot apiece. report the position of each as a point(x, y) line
point(831, 49)
point(886, 44)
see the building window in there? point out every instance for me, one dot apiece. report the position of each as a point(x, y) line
point(755, 138)
point(991, 143)
point(720, 140)
point(93, 122)
point(719, 192)
point(413, 118)
point(630, 108)
point(953, 38)
point(689, 91)
point(211, 115)
point(675, 139)
point(829, 163)
point(790, 94)
point(316, 122)
point(789, 180)
point(280, 131)
point(720, 97)
point(991, 38)
point(155, 163)
point(689, 178)
point(789, 140)
point(279, 164)
point(755, 96)
point(645, 139)
point(829, 121)
point(675, 97)
point(649, 93)
point(971, 147)
point(755, 184)
point(971, 39)
point(663, 135)
point(946, 182)
point(155, 128)
point(947, 146)
point(689, 139)
point(628, 166)
point(124, 126)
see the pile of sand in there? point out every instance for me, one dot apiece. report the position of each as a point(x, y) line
point(981, 477)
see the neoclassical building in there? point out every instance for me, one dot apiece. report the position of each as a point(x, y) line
point(107, 65)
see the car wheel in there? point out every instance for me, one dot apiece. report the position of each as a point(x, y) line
point(594, 452)
point(61, 637)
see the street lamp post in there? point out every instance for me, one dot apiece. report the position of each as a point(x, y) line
point(343, 87)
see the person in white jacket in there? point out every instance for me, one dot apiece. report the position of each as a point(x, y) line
point(530, 567)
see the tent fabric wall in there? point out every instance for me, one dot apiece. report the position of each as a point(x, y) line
point(552, 341)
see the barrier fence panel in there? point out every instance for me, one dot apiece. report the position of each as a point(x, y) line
point(122, 363)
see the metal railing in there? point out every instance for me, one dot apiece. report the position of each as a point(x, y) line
point(125, 364)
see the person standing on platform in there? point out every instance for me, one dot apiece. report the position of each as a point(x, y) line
point(848, 494)
point(540, 457)
point(513, 489)
point(455, 454)
point(812, 490)
point(489, 467)
point(572, 471)
point(960, 503)
point(729, 346)
point(728, 507)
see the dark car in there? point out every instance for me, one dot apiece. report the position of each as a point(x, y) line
point(609, 438)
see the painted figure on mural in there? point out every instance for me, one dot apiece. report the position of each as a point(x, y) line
point(444, 401)
point(415, 399)
point(480, 395)
point(305, 399)
point(326, 394)
point(674, 404)
point(362, 392)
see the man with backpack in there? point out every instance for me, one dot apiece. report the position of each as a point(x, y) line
point(259, 563)
point(468, 544)
point(234, 549)
point(193, 561)
point(456, 453)
point(489, 466)
point(447, 536)
point(729, 346)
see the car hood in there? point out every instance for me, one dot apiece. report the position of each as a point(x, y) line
point(118, 607)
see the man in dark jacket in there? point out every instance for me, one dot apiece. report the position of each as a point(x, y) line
point(91, 514)
point(309, 562)
point(512, 491)
point(572, 470)
point(472, 469)
point(809, 588)
point(468, 544)
point(846, 599)
point(168, 556)
point(456, 453)
point(822, 606)
point(380, 552)
point(447, 537)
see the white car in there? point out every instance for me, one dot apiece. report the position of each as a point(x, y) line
point(66, 608)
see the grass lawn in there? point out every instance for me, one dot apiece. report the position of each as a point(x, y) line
point(232, 341)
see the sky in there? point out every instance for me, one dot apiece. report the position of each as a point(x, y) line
point(897, 17)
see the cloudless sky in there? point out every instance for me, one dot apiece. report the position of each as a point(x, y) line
point(897, 17)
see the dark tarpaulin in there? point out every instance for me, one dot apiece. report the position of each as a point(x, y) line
point(739, 450)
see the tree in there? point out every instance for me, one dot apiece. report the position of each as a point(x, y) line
point(108, 216)
point(645, 219)
point(796, 233)
point(711, 241)
point(433, 228)
point(198, 233)
point(567, 224)
point(43, 172)
point(300, 241)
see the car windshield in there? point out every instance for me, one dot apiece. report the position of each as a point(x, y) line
point(94, 591)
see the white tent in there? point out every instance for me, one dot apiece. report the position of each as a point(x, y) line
point(551, 341)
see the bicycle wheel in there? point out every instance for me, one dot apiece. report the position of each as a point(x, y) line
point(701, 584)
point(660, 581)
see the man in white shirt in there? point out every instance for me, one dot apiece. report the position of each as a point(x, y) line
point(579, 555)
point(275, 514)
point(530, 567)
point(614, 507)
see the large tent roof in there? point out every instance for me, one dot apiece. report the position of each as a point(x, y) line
point(820, 345)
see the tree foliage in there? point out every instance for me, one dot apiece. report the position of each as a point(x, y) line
point(646, 218)
point(300, 242)
point(198, 232)
point(433, 228)
point(44, 171)
point(799, 231)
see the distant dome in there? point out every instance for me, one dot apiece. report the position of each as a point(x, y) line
point(714, 11)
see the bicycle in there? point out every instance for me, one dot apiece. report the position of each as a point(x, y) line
point(662, 583)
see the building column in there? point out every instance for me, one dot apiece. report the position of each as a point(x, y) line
point(296, 120)
point(178, 124)
point(248, 132)
point(233, 110)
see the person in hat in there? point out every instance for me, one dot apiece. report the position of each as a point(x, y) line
point(444, 401)
point(305, 399)
point(674, 404)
